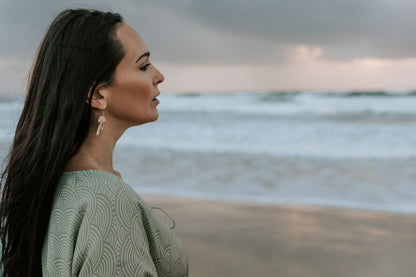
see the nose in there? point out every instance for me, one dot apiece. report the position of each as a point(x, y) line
point(159, 78)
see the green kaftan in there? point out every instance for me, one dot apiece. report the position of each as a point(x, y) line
point(99, 226)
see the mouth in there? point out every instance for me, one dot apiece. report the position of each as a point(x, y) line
point(155, 99)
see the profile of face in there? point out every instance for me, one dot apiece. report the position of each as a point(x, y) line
point(131, 98)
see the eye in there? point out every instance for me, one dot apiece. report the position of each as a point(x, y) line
point(144, 68)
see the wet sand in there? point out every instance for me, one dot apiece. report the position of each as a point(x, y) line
point(228, 239)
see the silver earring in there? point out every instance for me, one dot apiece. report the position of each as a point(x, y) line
point(101, 121)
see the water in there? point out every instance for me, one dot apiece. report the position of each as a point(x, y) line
point(338, 149)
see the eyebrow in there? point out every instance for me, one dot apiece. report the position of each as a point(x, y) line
point(147, 54)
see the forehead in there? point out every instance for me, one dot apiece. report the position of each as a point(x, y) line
point(131, 40)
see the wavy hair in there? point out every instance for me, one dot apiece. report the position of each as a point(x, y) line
point(80, 51)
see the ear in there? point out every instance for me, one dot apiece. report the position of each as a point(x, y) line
point(98, 100)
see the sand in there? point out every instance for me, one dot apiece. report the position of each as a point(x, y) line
point(229, 239)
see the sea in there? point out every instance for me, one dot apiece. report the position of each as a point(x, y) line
point(340, 149)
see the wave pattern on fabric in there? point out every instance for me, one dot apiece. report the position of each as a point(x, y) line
point(99, 226)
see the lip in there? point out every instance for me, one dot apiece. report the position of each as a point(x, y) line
point(155, 99)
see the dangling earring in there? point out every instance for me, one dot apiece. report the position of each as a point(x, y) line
point(101, 121)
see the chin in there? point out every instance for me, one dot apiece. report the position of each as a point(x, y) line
point(152, 118)
point(145, 118)
point(156, 118)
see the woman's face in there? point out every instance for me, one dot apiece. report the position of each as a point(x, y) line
point(132, 95)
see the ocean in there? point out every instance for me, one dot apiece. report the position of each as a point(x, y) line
point(353, 150)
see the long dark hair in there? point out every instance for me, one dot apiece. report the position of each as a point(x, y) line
point(79, 52)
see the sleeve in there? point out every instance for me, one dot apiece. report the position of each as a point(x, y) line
point(111, 240)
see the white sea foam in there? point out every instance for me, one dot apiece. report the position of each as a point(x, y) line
point(311, 125)
point(286, 104)
point(343, 149)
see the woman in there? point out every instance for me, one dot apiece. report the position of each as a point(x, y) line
point(65, 211)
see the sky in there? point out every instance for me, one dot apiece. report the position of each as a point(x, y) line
point(242, 45)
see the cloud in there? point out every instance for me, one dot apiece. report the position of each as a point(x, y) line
point(344, 29)
point(243, 43)
point(304, 53)
point(238, 31)
point(314, 74)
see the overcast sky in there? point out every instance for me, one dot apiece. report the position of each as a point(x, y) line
point(208, 45)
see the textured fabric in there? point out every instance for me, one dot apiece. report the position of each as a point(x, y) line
point(99, 226)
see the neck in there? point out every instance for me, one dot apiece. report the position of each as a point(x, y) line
point(96, 152)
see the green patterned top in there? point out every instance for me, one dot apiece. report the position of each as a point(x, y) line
point(99, 226)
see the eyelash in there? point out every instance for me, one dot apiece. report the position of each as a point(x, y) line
point(144, 68)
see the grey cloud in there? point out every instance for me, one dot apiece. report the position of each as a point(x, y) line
point(345, 29)
point(236, 31)
point(23, 23)
point(178, 39)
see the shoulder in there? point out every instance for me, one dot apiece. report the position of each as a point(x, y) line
point(90, 181)
point(96, 214)
point(89, 190)
point(88, 187)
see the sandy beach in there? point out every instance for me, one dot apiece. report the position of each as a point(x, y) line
point(229, 239)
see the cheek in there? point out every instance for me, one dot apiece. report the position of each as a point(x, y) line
point(130, 99)
point(134, 89)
